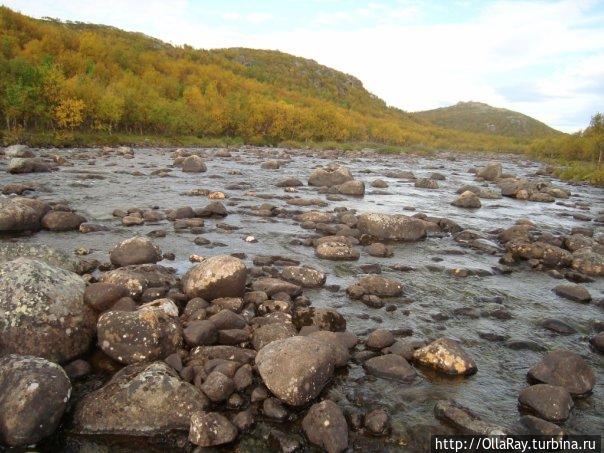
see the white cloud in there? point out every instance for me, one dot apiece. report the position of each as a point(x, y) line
point(543, 58)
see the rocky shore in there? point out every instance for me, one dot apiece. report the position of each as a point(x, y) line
point(284, 300)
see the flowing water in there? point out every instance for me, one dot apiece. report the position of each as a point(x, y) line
point(431, 294)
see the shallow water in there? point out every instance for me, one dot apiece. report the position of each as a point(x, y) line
point(527, 294)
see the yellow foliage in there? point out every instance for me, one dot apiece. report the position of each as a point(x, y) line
point(68, 113)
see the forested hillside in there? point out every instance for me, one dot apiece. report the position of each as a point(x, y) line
point(482, 118)
point(70, 77)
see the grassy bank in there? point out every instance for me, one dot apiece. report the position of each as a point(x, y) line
point(568, 170)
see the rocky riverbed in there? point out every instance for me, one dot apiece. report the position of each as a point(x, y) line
point(294, 300)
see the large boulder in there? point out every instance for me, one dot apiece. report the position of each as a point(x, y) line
point(336, 251)
point(18, 151)
point(390, 366)
point(467, 200)
point(325, 426)
point(447, 356)
point(355, 188)
point(330, 175)
point(564, 369)
point(42, 311)
point(550, 255)
point(136, 250)
point(295, 369)
point(18, 214)
point(41, 252)
point(588, 262)
point(218, 276)
point(136, 336)
point(393, 227)
point(151, 397)
point(140, 277)
point(33, 395)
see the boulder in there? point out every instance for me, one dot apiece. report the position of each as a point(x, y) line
point(40, 252)
point(564, 369)
point(19, 165)
point(330, 175)
point(193, 164)
point(209, 429)
point(271, 286)
point(325, 426)
point(268, 333)
point(136, 250)
point(491, 171)
point(426, 183)
point(102, 296)
point(62, 221)
point(464, 420)
point(140, 277)
point(218, 276)
point(295, 369)
point(572, 291)
point(33, 396)
point(150, 396)
point(588, 262)
point(380, 339)
point(390, 366)
point(136, 336)
point(468, 200)
point(17, 214)
point(336, 251)
point(18, 151)
point(377, 286)
point(393, 227)
point(355, 188)
point(447, 356)
point(304, 276)
point(549, 402)
point(42, 311)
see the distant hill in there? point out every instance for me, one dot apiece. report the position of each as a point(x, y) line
point(482, 118)
point(75, 77)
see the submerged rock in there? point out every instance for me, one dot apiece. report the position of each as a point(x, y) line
point(549, 402)
point(565, 369)
point(464, 420)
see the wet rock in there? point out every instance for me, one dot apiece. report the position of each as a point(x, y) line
point(574, 292)
point(426, 183)
point(136, 250)
point(271, 286)
point(529, 425)
point(377, 422)
point(391, 227)
point(490, 172)
point(102, 296)
point(354, 188)
point(375, 285)
point(390, 366)
point(17, 188)
point(209, 429)
point(202, 332)
point(468, 200)
point(379, 250)
point(549, 402)
point(330, 175)
point(464, 420)
point(62, 221)
point(339, 350)
point(244, 420)
point(289, 182)
point(550, 255)
point(379, 184)
point(42, 311)
point(558, 326)
point(20, 165)
point(304, 276)
point(33, 396)
point(322, 318)
point(243, 377)
point(597, 342)
point(446, 356)
point(218, 276)
point(18, 214)
point(77, 369)
point(336, 251)
point(565, 369)
point(141, 335)
point(40, 252)
point(325, 426)
point(151, 396)
point(295, 369)
point(18, 151)
point(193, 164)
point(138, 278)
point(379, 339)
point(588, 262)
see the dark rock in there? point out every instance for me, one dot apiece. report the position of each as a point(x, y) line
point(62, 221)
point(390, 366)
point(377, 422)
point(209, 429)
point(549, 402)
point(565, 369)
point(574, 292)
point(464, 420)
point(136, 250)
point(102, 296)
point(325, 426)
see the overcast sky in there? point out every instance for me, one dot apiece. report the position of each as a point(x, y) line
point(542, 58)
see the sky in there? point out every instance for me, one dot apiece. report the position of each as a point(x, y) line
point(541, 58)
